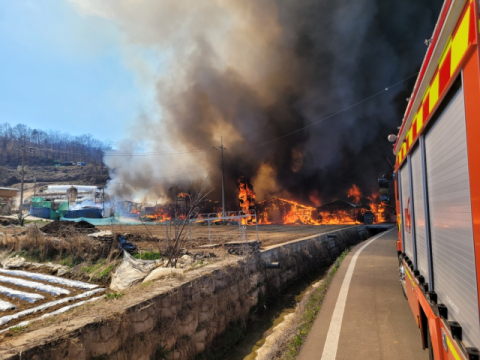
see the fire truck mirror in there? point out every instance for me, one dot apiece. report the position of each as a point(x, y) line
point(383, 186)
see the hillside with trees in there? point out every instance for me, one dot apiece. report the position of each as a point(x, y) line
point(46, 147)
point(44, 150)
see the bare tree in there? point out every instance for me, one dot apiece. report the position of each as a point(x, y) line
point(180, 234)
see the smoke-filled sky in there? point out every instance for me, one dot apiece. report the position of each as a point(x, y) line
point(253, 71)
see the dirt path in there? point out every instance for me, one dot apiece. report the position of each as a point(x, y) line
point(220, 234)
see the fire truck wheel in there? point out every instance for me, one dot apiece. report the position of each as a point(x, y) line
point(401, 274)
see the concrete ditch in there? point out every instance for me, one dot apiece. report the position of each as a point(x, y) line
point(184, 320)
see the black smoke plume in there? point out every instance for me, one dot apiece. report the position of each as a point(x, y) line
point(253, 71)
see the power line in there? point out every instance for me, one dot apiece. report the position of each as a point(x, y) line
point(167, 177)
point(160, 153)
point(340, 111)
point(93, 153)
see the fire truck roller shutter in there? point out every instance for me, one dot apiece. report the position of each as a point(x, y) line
point(448, 186)
point(406, 211)
point(419, 211)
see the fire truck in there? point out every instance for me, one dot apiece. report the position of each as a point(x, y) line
point(437, 189)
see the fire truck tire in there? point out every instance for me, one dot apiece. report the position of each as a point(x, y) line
point(401, 274)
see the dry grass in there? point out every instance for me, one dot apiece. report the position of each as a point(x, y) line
point(73, 248)
point(287, 346)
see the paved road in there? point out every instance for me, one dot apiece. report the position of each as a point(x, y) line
point(377, 322)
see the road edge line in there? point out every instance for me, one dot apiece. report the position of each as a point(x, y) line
point(333, 336)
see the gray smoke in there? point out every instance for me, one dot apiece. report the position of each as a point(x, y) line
point(255, 70)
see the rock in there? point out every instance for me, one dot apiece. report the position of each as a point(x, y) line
point(13, 262)
point(19, 263)
point(102, 235)
point(187, 259)
point(160, 273)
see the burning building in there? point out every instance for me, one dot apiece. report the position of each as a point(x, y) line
point(281, 211)
point(359, 209)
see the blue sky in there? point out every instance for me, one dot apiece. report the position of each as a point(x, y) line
point(60, 70)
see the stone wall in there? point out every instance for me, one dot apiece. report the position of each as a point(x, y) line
point(299, 257)
point(185, 320)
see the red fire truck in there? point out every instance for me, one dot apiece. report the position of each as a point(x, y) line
point(438, 191)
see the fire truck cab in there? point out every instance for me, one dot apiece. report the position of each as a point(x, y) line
point(437, 190)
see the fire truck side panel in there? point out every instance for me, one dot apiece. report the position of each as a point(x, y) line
point(433, 326)
point(451, 229)
point(398, 188)
point(419, 211)
point(412, 295)
point(406, 210)
point(471, 78)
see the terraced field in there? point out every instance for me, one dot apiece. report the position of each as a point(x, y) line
point(26, 296)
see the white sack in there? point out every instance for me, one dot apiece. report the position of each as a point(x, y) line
point(161, 273)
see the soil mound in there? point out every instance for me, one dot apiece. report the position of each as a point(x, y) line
point(8, 221)
point(58, 227)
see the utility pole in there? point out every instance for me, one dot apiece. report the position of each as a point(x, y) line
point(223, 174)
point(20, 211)
point(23, 150)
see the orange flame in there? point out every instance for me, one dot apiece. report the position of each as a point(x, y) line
point(277, 210)
point(245, 195)
point(282, 211)
point(354, 194)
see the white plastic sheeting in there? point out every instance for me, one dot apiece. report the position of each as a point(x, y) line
point(131, 272)
point(29, 297)
point(4, 306)
point(6, 319)
point(59, 311)
point(35, 285)
point(69, 307)
point(50, 279)
point(64, 188)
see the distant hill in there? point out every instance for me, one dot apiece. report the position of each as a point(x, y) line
point(46, 147)
point(91, 174)
point(44, 150)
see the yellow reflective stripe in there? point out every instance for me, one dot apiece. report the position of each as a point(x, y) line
point(425, 95)
point(420, 115)
point(452, 349)
point(460, 42)
point(411, 280)
point(419, 123)
point(434, 91)
point(445, 51)
point(410, 137)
